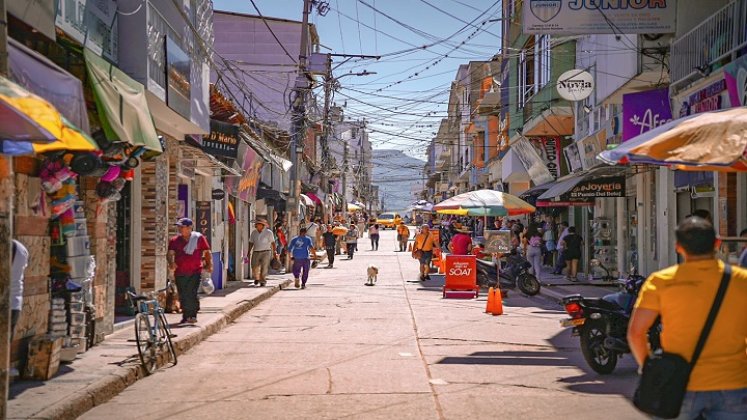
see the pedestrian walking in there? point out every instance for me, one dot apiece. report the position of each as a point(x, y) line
point(361, 226)
point(560, 262)
point(262, 250)
point(572, 250)
point(329, 240)
point(531, 241)
point(548, 240)
point(681, 296)
point(423, 251)
point(403, 235)
point(189, 254)
point(351, 240)
point(301, 248)
point(373, 234)
point(461, 243)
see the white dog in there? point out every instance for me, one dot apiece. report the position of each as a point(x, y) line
point(373, 273)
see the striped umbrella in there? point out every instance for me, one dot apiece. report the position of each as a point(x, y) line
point(484, 203)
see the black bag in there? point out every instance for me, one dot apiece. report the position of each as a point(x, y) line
point(663, 382)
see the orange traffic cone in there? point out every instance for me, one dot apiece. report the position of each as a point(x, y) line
point(495, 302)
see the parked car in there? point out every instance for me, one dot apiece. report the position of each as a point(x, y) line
point(388, 220)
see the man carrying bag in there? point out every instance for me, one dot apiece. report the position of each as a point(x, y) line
point(702, 370)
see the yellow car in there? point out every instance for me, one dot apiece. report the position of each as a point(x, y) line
point(388, 220)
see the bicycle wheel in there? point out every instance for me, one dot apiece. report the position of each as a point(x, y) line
point(145, 343)
point(165, 345)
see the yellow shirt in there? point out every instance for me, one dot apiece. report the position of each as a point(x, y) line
point(403, 230)
point(683, 295)
point(425, 242)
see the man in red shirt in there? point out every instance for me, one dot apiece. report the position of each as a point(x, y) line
point(189, 254)
point(461, 243)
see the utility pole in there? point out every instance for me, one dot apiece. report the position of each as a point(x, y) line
point(7, 192)
point(345, 180)
point(298, 127)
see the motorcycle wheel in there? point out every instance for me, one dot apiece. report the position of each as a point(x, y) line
point(528, 284)
point(599, 358)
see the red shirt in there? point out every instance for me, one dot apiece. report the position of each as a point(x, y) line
point(187, 265)
point(460, 244)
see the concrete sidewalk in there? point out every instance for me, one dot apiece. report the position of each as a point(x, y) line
point(111, 366)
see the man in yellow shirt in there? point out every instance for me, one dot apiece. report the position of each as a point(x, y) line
point(425, 242)
point(682, 295)
point(403, 235)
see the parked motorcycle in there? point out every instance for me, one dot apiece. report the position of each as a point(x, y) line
point(514, 273)
point(602, 324)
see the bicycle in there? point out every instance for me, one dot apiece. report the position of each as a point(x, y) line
point(152, 332)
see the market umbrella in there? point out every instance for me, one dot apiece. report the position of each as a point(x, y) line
point(353, 207)
point(421, 205)
point(484, 203)
point(710, 141)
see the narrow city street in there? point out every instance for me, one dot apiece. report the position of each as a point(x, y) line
point(339, 349)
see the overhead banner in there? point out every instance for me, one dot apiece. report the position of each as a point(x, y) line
point(549, 150)
point(735, 74)
point(599, 188)
point(580, 17)
point(532, 162)
point(644, 111)
point(245, 187)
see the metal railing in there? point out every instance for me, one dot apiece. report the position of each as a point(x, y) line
point(717, 37)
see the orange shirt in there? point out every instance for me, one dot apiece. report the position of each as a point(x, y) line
point(425, 242)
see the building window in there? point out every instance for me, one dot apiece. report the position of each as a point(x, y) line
point(527, 75)
point(542, 60)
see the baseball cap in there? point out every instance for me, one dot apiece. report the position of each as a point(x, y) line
point(184, 221)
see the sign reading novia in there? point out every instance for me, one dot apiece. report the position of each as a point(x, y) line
point(218, 194)
point(575, 85)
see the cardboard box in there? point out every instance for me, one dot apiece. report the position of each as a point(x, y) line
point(44, 358)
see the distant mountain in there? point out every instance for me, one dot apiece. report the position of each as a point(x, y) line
point(398, 176)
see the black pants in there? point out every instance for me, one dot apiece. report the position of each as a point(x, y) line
point(560, 263)
point(351, 250)
point(187, 286)
point(375, 241)
point(331, 255)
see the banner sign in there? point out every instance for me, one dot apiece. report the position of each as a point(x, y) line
point(591, 146)
point(711, 98)
point(644, 111)
point(223, 140)
point(573, 157)
point(580, 17)
point(245, 187)
point(204, 218)
point(532, 162)
point(735, 74)
point(599, 188)
point(549, 151)
point(179, 79)
point(461, 272)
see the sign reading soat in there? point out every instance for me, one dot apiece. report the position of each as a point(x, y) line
point(461, 272)
point(600, 188)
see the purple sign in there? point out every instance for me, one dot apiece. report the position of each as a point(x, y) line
point(644, 111)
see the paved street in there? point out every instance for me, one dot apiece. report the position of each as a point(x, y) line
point(340, 349)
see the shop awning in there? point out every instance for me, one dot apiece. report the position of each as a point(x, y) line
point(207, 161)
point(554, 121)
point(41, 76)
point(583, 187)
point(122, 103)
point(169, 121)
point(29, 124)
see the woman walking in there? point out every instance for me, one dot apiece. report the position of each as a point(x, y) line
point(373, 234)
point(532, 244)
point(572, 251)
point(351, 240)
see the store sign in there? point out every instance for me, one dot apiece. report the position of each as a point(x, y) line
point(590, 147)
point(179, 79)
point(573, 157)
point(218, 194)
point(735, 74)
point(599, 188)
point(204, 218)
point(497, 241)
point(461, 272)
point(575, 85)
point(549, 151)
point(644, 111)
point(579, 17)
point(223, 140)
point(710, 98)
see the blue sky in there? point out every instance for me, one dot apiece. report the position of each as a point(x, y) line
point(406, 99)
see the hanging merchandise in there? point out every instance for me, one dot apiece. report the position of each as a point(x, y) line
point(53, 173)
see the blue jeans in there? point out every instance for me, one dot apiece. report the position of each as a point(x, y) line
point(300, 264)
point(715, 405)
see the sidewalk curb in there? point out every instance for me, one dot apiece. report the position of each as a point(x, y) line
point(108, 387)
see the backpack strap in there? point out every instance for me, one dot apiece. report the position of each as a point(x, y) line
point(725, 278)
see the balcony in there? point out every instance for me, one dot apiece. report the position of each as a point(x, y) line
point(705, 47)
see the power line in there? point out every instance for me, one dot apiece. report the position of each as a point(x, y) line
point(272, 32)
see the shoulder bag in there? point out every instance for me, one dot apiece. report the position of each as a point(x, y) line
point(418, 253)
point(663, 383)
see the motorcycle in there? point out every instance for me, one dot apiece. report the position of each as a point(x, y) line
point(602, 324)
point(515, 273)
